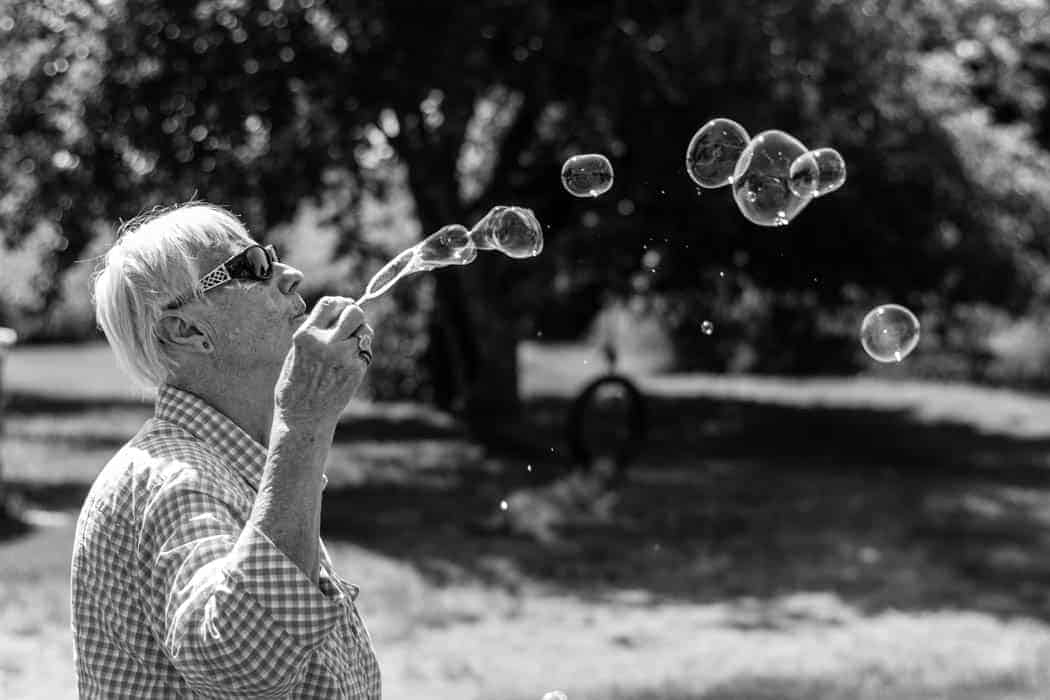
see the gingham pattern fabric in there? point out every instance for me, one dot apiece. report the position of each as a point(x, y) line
point(174, 596)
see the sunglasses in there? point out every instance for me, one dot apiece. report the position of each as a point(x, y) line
point(253, 263)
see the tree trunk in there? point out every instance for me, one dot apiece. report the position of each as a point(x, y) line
point(472, 358)
point(492, 401)
point(7, 338)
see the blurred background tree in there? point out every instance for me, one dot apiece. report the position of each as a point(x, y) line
point(348, 129)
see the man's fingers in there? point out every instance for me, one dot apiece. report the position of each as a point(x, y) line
point(326, 311)
point(348, 322)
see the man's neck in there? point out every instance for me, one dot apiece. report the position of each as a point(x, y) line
point(247, 400)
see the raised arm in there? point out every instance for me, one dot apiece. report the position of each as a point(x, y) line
point(237, 605)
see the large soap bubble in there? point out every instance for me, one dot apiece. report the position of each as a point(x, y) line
point(762, 179)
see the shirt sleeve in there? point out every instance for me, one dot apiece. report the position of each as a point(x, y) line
point(234, 614)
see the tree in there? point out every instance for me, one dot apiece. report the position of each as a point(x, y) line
point(126, 103)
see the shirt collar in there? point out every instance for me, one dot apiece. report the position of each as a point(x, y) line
point(196, 416)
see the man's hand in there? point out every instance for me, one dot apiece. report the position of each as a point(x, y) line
point(325, 366)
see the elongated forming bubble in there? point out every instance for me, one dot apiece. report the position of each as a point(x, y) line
point(401, 265)
point(449, 245)
point(517, 233)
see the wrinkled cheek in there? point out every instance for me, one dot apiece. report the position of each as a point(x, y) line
point(241, 341)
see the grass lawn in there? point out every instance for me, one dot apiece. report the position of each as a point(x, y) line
point(778, 539)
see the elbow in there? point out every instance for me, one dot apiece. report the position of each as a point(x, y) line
point(223, 652)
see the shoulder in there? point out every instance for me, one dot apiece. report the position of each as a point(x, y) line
point(160, 461)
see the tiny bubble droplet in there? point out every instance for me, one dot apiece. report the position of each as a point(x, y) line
point(707, 328)
point(503, 505)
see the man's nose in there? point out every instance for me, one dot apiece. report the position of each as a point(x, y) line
point(288, 278)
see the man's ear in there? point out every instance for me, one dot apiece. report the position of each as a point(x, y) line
point(180, 332)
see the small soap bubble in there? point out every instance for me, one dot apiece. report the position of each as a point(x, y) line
point(804, 175)
point(832, 170)
point(760, 181)
point(889, 333)
point(713, 152)
point(503, 505)
point(555, 695)
point(707, 328)
point(587, 175)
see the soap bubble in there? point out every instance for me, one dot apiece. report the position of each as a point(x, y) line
point(555, 695)
point(449, 245)
point(832, 170)
point(707, 328)
point(514, 231)
point(713, 152)
point(889, 333)
point(401, 265)
point(804, 176)
point(587, 175)
point(760, 180)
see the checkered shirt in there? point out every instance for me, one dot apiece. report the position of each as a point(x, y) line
point(175, 596)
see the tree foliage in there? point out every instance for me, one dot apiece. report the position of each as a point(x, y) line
point(939, 108)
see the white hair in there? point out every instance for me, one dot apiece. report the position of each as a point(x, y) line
point(152, 265)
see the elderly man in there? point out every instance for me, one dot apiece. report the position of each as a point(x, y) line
point(198, 569)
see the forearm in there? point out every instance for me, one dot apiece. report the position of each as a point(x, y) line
point(287, 507)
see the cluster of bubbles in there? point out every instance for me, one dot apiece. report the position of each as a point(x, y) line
point(555, 695)
point(773, 177)
point(513, 231)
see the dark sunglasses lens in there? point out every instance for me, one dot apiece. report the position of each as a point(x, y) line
point(258, 262)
